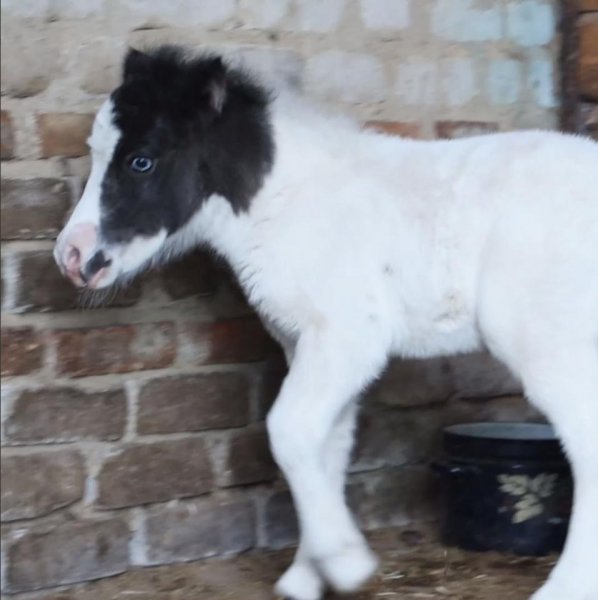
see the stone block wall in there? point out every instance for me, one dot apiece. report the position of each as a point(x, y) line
point(132, 431)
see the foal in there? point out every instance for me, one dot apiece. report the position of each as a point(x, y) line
point(354, 247)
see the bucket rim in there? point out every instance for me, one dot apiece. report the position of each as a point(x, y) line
point(516, 431)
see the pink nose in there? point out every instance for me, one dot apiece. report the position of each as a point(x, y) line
point(76, 249)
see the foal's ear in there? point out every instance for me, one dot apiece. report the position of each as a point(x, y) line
point(136, 64)
point(209, 79)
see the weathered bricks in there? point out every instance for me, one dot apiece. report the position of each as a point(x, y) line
point(228, 341)
point(193, 275)
point(64, 134)
point(155, 472)
point(41, 287)
point(323, 17)
point(198, 529)
point(37, 484)
point(66, 414)
point(385, 437)
point(33, 208)
point(22, 350)
point(587, 71)
point(589, 119)
point(69, 553)
point(193, 403)
point(460, 129)
point(280, 521)
point(380, 14)
point(400, 128)
point(413, 382)
point(249, 459)
point(115, 349)
point(479, 374)
point(7, 139)
point(393, 497)
point(31, 58)
point(352, 77)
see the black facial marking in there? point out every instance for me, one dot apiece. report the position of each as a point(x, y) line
point(190, 128)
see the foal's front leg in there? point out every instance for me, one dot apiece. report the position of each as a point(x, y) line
point(325, 375)
point(302, 580)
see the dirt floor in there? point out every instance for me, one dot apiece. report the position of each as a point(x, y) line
point(413, 566)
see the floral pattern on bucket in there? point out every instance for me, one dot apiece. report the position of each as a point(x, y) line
point(530, 491)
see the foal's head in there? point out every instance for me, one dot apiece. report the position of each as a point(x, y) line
point(176, 131)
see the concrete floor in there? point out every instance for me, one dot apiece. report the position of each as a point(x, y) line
point(413, 566)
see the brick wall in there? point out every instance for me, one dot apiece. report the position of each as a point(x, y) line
point(580, 67)
point(133, 432)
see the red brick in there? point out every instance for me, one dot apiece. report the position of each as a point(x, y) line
point(7, 139)
point(155, 472)
point(33, 208)
point(400, 128)
point(194, 275)
point(64, 134)
point(71, 553)
point(588, 5)
point(199, 529)
point(587, 72)
point(589, 120)
point(229, 341)
point(193, 402)
point(37, 484)
point(249, 459)
point(67, 414)
point(41, 287)
point(459, 129)
point(22, 350)
point(115, 349)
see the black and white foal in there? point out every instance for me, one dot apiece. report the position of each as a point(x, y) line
point(354, 247)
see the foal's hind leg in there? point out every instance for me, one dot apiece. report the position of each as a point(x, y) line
point(564, 384)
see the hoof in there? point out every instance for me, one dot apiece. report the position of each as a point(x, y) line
point(301, 581)
point(348, 570)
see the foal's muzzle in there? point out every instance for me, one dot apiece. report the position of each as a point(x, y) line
point(79, 259)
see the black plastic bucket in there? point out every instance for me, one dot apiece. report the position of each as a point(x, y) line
point(508, 487)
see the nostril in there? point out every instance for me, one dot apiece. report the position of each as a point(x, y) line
point(96, 269)
point(97, 262)
point(72, 258)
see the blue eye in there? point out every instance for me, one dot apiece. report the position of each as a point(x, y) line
point(141, 164)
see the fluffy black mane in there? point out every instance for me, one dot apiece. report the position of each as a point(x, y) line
point(184, 100)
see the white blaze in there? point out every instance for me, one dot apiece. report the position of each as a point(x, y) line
point(102, 142)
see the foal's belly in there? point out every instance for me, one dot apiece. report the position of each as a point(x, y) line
point(446, 328)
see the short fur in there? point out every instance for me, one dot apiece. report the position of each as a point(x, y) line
point(354, 247)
